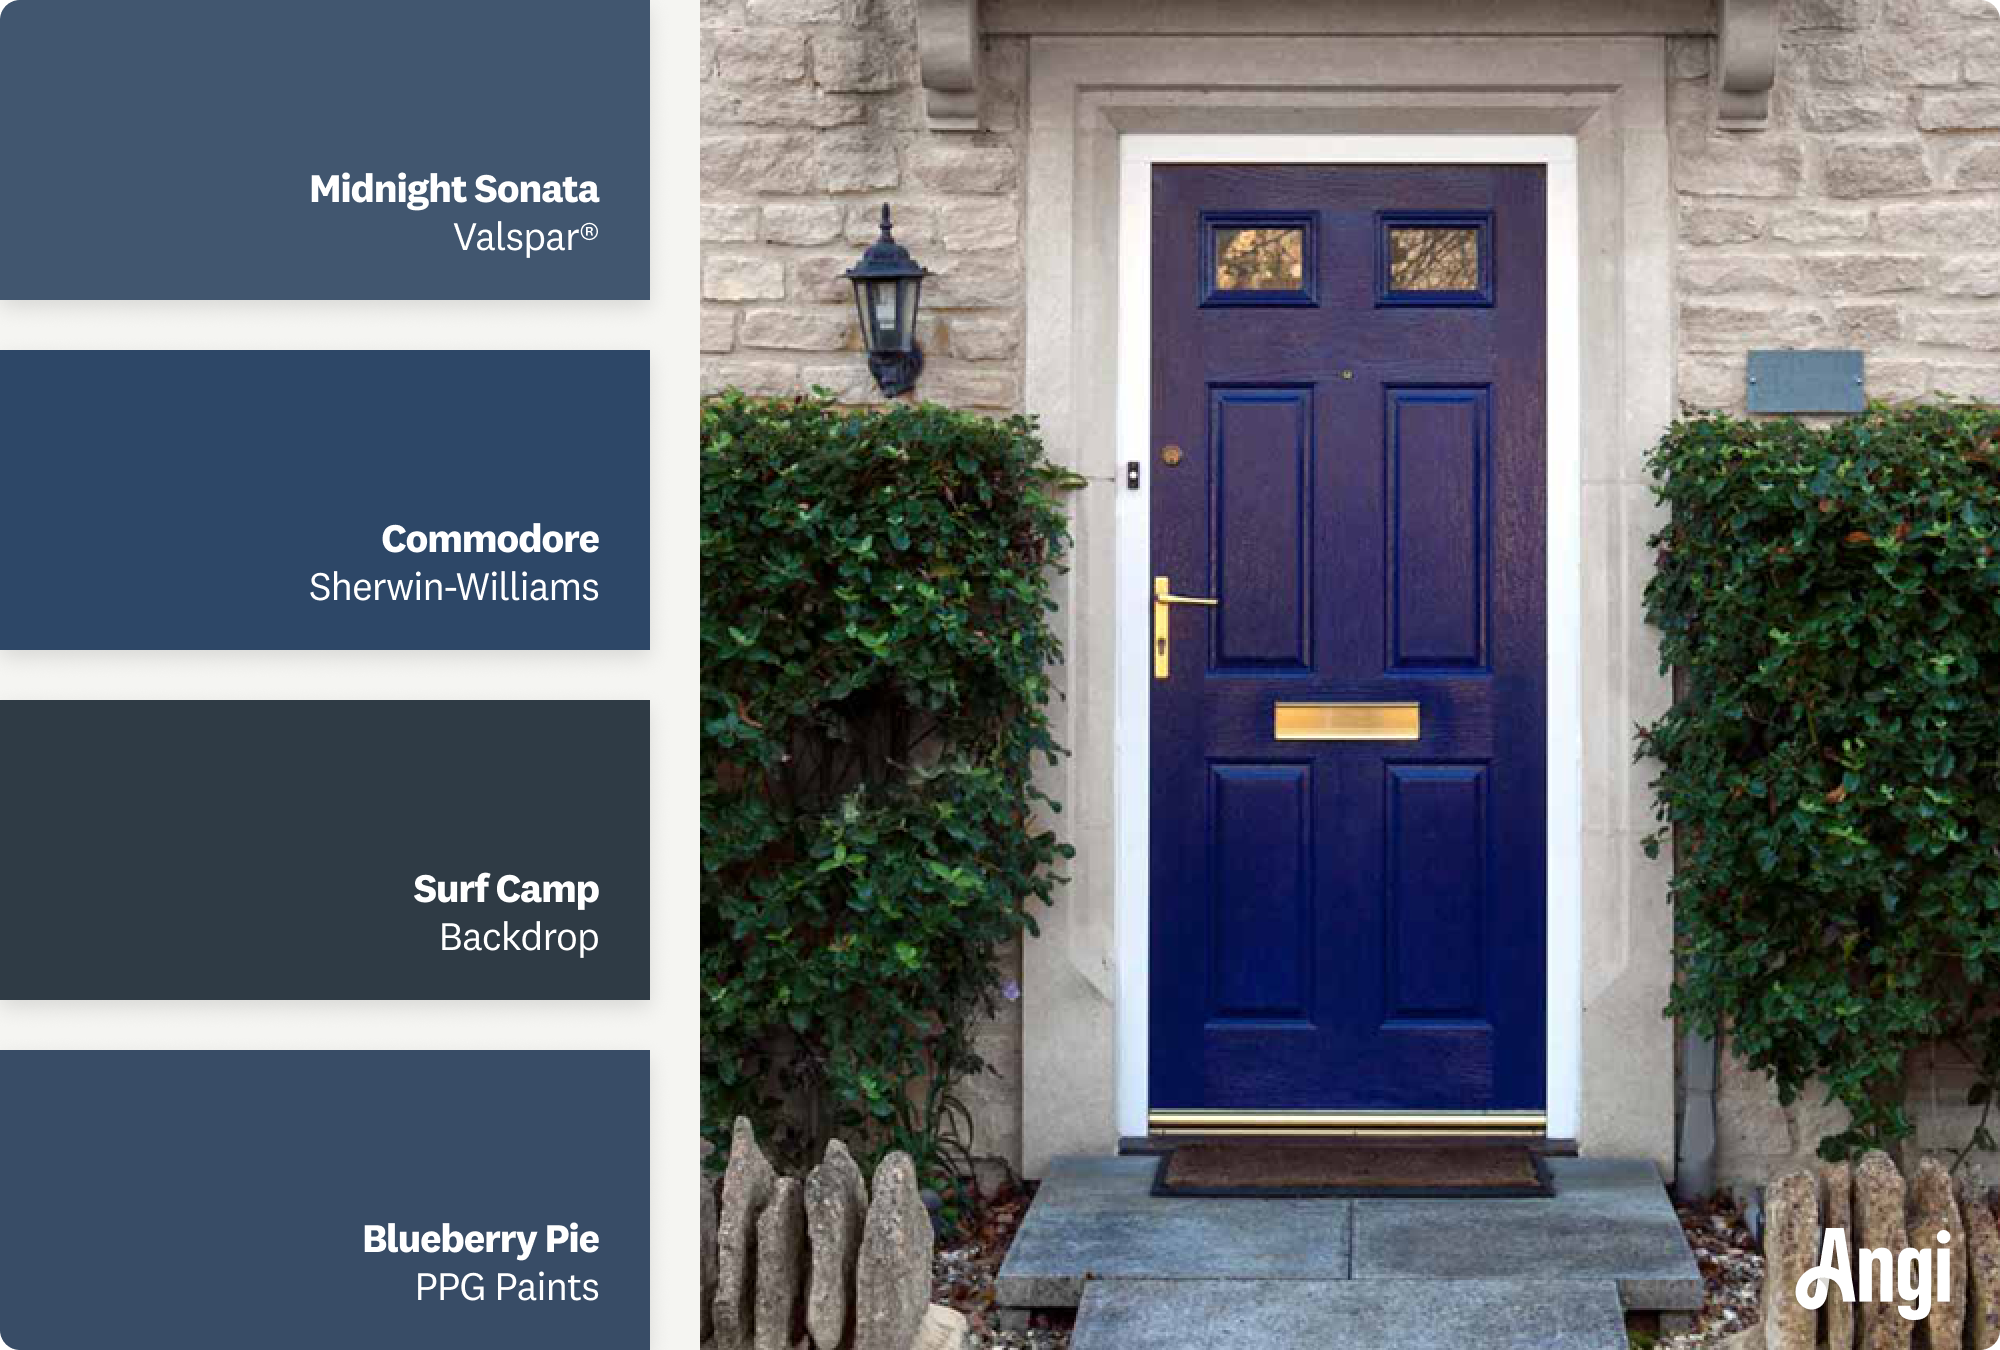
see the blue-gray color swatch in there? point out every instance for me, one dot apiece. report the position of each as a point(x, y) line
point(169, 150)
point(220, 1198)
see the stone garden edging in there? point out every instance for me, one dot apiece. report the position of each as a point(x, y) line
point(789, 1263)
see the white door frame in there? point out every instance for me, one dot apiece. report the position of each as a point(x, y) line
point(1132, 723)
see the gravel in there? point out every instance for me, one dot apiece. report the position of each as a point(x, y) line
point(962, 1277)
point(1732, 1270)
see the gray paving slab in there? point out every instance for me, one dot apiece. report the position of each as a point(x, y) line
point(1609, 1219)
point(1097, 1218)
point(1350, 1315)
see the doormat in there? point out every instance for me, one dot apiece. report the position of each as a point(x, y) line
point(1350, 1168)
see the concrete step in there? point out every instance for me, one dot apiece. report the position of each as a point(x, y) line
point(1349, 1315)
point(1097, 1219)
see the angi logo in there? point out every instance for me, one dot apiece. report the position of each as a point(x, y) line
point(1884, 1276)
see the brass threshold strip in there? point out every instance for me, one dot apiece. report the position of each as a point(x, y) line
point(1511, 1123)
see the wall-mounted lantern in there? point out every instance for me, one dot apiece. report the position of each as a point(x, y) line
point(888, 286)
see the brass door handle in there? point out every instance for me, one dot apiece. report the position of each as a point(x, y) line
point(1163, 597)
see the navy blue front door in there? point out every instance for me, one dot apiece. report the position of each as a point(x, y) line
point(1348, 810)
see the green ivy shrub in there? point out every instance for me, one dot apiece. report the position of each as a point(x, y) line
point(1831, 773)
point(875, 654)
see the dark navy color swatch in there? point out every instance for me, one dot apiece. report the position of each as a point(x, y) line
point(219, 1198)
point(195, 499)
point(167, 151)
point(272, 849)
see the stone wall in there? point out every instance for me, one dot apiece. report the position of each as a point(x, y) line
point(1867, 215)
point(812, 118)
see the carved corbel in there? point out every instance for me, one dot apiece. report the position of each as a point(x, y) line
point(1747, 63)
point(948, 49)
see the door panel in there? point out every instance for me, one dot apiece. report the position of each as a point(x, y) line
point(1348, 925)
point(1261, 523)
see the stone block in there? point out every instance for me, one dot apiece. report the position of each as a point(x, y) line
point(1714, 383)
point(1834, 62)
point(1733, 325)
point(954, 166)
point(718, 329)
point(1767, 165)
point(788, 13)
point(760, 56)
point(752, 162)
point(1878, 1222)
point(778, 106)
point(821, 279)
point(1877, 168)
point(1869, 273)
point(892, 1283)
point(1868, 324)
point(1898, 381)
point(747, 1187)
point(856, 161)
point(1836, 1210)
point(836, 1203)
point(1981, 55)
point(1960, 112)
point(1703, 223)
point(802, 222)
point(781, 1268)
point(728, 223)
point(798, 330)
point(761, 379)
point(732, 278)
point(710, 1263)
point(1711, 272)
point(865, 64)
point(1830, 13)
point(1791, 1247)
point(1838, 109)
point(1970, 274)
point(1936, 1226)
point(983, 339)
point(942, 1329)
point(970, 226)
point(849, 382)
point(1959, 226)
point(1978, 167)
point(1820, 224)
point(1967, 381)
point(1978, 329)
point(973, 387)
point(974, 281)
point(1924, 59)
point(1979, 1267)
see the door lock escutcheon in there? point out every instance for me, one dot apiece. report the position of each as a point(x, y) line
point(1163, 601)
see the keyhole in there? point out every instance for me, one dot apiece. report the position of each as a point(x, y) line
point(1171, 455)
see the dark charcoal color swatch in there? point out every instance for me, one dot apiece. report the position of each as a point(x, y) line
point(269, 850)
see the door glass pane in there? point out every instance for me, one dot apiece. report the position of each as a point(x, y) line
point(1260, 258)
point(1433, 258)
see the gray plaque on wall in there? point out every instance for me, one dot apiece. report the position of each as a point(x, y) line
point(1806, 382)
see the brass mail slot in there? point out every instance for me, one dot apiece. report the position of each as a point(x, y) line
point(1346, 722)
